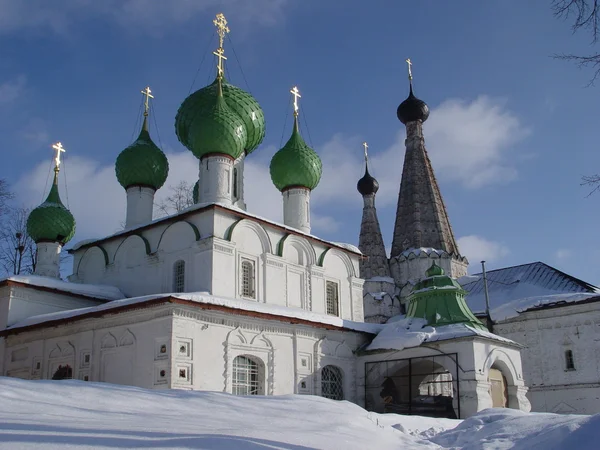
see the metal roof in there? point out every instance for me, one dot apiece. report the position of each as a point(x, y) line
point(516, 282)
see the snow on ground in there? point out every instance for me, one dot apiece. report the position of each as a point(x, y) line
point(78, 415)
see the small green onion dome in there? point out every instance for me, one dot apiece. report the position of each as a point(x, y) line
point(217, 129)
point(196, 192)
point(51, 221)
point(142, 163)
point(296, 164)
point(241, 103)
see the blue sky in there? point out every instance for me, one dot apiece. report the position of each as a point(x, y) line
point(510, 133)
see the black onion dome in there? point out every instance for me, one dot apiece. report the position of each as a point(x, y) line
point(367, 185)
point(412, 109)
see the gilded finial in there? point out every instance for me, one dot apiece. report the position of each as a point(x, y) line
point(148, 94)
point(222, 29)
point(296, 93)
point(59, 149)
point(409, 62)
point(366, 147)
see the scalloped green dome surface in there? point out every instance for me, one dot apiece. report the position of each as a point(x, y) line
point(142, 163)
point(240, 102)
point(296, 164)
point(51, 221)
point(217, 130)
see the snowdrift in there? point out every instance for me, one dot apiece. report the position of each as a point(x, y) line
point(74, 414)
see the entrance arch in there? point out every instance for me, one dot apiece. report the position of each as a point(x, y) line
point(498, 388)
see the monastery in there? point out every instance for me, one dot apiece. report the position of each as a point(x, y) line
point(217, 298)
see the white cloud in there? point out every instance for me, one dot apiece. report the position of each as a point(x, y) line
point(471, 142)
point(477, 249)
point(12, 89)
point(150, 16)
point(562, 254)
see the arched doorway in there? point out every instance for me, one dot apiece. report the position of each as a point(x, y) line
point(498, 388)
point(64, 372)
point(248, 375)
point(421, 386)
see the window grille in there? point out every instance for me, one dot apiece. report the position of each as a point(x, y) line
point(569, 361)
point(332, 385)
point(248, 279)
point(179, 276)
point(332, 298)
point(246, 377)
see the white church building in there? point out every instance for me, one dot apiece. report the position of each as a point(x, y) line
point(216, 298)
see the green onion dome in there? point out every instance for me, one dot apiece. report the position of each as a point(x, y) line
point(296, 164)
point(196, 192)
point(142, 163)
point(217, 129)
point(241, 103)
point(51, 221)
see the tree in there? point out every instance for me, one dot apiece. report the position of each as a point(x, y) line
point(17, 249)
point(5, 196)
point(180, 198)
point(586, 15)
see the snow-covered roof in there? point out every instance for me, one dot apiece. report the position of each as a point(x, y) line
point(521, 282)
point(199, 206)
point(512, 309)
point(200, 298)
point(401, 332)
point(97, 291)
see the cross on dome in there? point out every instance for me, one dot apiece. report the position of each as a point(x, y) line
point(222, 29)
point(59, 149)
point(147, 93)
point(366, 147)
point(296, 93)
point(409, 62)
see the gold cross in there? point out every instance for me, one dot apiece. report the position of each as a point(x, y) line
point(409, 62)
point(296, 93)
point(59, 149)
point(222, 29)
point(148, 95)
point(220, 53)
point(366, 146)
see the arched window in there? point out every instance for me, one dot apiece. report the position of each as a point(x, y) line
point(569, 361)
point(332, 298)
point(247, 376)
point(248, 279)
point(179, 276)
point(63, 373)
point(235, 184)
point(332, 383)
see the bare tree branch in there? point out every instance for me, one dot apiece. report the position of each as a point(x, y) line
point(17, 249)
point(592, 181)
point(5, 196)
point(586, 13)
point(180, 198)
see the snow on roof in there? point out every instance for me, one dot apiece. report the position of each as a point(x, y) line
point(401, 332)
point(99, 291)
point(512, 309)
point(205, 298)
point(520, 282)
point(348, 247)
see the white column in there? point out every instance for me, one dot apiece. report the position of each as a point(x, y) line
point(216, 173)
point(140, 204)
point(48, 259)
point(296, 208)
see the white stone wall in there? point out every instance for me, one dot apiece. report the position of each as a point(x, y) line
point(290, 270)
point(123, 349)
point(140, 205)
point(169, 346)
point(296, 208)
point(547, 334)
point(48, 259)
